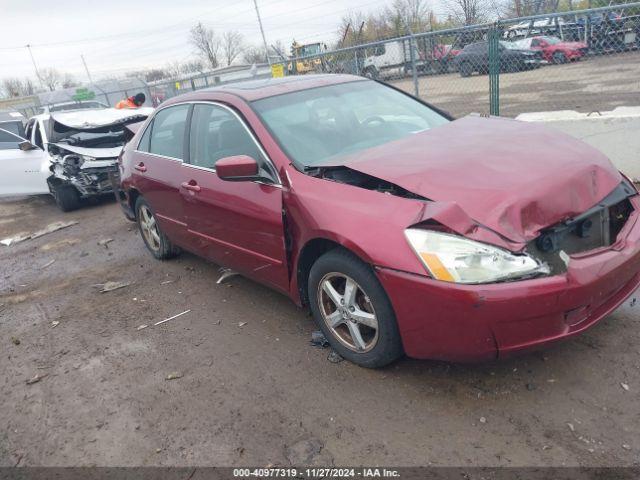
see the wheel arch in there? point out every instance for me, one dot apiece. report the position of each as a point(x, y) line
point(310, 252)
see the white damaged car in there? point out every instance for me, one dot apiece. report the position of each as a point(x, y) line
point(68, 154)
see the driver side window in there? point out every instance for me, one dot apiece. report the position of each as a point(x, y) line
point(37, 140)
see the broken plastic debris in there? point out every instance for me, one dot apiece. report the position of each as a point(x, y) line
point(142, 327)
point(105, 242)
point(55, 323)
point(242, 324)
point(48, 264)
point(171, 318)
point(318, 339)
point(174, 376)
point(483, 420)
point(110, 286)
point(224, 274)
point(52, 227)
point(334, 357)
point(625, 386)
point(36, 379)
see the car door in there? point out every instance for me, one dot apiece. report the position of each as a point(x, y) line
point(235, 224)
point(157, 168)
point(24, 172)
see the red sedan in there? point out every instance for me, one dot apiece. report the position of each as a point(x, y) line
point(553, 49)
point(403, 230)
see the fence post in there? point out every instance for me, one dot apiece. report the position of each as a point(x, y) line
point(414, 67)
point(494, 69)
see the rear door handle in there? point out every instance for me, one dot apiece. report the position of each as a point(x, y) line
point(140, 167)
point(192, 187)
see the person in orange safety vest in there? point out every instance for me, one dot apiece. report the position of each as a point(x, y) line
point(132, 102)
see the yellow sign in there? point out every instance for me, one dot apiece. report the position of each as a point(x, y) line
point(177, 85)
point(277, 70)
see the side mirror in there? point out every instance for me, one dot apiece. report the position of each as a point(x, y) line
point(26, 145)
point(239, 168)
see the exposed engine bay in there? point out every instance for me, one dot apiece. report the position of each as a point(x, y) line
point(362, 180)
point(84, 150)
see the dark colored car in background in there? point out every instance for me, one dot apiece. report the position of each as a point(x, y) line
point(403, 231)
point(553, 49)
point(475, 58)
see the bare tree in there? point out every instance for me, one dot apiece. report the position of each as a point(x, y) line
point(253, 54)
point(50, 78)
point(68, 81)
point(17, 87)
point(207, 44)
point(467, 12)
point(232, 42)
point(410, 14)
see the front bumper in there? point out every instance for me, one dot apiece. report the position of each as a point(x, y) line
point(454, 322)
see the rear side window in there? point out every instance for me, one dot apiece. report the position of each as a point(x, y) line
point(217, 133)
point(8, 141)
point(167, 134)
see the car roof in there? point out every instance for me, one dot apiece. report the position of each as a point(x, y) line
point(251, 90)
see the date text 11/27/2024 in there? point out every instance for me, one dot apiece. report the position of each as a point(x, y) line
point(318, 472)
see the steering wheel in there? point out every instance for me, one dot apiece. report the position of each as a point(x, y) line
point(373, 119)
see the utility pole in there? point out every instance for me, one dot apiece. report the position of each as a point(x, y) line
point(86, 68)
point(264, 39)
point(34, 64)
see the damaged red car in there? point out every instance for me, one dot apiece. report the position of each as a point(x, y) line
point(403, 230)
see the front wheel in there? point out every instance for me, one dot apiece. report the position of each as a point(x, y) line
point(372, 73)
point(353, 311)
point(155, 240)
point(67, 197)
point(466, 69)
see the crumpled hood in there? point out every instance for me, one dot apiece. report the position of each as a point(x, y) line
point(513, 177)
point(111, 152)
point(96, 118)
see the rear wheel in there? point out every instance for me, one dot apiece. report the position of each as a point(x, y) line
point(67, 197)
point(466, 69)
point(372, 73)
point(559, 57)
point(353, 311)
point(155, 240)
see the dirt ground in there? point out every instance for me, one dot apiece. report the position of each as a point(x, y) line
point(259, 394)
point(597, 83)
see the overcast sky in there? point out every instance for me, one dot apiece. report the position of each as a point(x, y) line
point(120, 35)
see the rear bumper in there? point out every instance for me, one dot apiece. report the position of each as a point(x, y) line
point(121, 197)
point(453, 322)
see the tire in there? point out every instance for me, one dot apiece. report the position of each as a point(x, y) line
point(371, 73)
point(67, 197)
point(370, 305)
point(559, 58)
point(465, 69)
point(157, 243)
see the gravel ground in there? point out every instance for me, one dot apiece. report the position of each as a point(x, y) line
point(597, 83)
point(259, 394)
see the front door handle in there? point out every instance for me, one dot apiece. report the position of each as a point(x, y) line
point(141, 167)
point(192, 186)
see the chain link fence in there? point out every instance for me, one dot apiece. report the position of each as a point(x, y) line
point(587, 60)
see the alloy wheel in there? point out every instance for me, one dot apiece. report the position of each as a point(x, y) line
point(149, 228)
point(348, 312)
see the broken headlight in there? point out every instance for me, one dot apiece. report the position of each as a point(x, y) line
point(451, 258)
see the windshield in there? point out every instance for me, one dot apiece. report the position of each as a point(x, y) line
point(61, 107)
point(321, 124)
point(510, 45)
point(551, 40)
